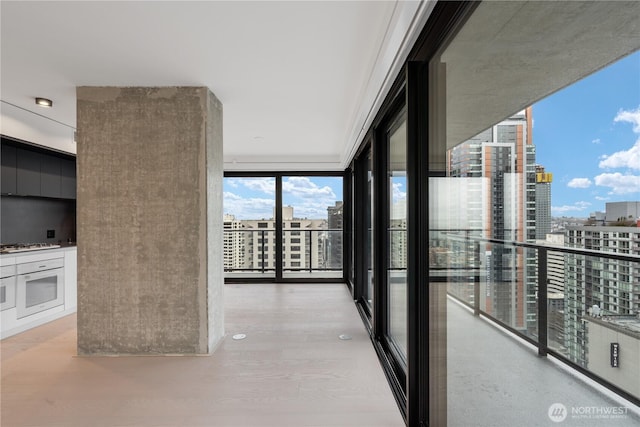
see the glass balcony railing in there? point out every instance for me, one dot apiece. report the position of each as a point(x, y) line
point(581, 306)
point(253, 252)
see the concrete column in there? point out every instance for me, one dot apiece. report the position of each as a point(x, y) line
point(150, 258)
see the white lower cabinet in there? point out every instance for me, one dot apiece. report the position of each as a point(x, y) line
point(37, 287)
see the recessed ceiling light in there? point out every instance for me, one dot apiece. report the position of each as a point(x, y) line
point(44, 102)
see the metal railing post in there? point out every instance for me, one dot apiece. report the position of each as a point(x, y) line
point(476, 280)
point(310, 251)
point(262, 251)
point(542, 302)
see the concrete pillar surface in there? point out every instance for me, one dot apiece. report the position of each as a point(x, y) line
point(150, 269)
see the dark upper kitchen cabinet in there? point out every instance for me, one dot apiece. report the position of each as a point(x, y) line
point(28, 176)
point(8, 177)
point(50, 176)
point(68, 179)
point(34, 171)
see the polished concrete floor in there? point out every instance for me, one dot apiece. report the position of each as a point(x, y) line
point(290, 370)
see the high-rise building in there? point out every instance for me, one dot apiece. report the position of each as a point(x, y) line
point(234, 243)
point(608, 286)
point(504, 155)
point(303, 246)
point(543, 202)
point(306, 244)
point(555, 263)
point(335, 215)
point(555, 290)
point(626, 213)
point(398, 236)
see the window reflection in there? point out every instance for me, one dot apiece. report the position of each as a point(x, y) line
point(397, 234)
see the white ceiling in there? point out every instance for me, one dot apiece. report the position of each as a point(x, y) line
point(298, 80)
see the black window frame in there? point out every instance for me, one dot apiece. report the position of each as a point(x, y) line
point(278, 221)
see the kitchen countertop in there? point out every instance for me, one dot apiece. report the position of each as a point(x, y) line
point(10, 258)
point(67, 245)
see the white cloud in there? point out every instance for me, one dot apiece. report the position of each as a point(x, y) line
point(596, 141)
point(308, 199)
point(398, 194)
point(576, 207)
point(631, 116)
point(311, 210)
point(263, 185)
point(301, 186)
point(579, 183)
point(602, 199)
point(626, 158)
point(619, 183)
point(247, 208)
point(227, 195)
point(623, 159)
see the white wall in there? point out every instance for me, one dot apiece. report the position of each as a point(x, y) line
point(34, 128)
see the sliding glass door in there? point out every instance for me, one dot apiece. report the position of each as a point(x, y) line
point(396, 274)
point(363, 231)
point(381, 239)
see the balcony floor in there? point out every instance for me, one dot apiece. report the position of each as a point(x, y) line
point(291, 370)
point(495, 380)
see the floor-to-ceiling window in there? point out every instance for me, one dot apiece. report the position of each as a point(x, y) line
point(249, 226)
point(284, 227)
point(312, 226)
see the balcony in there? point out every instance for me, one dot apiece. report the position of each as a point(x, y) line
point(496, 379)
point(578, 325)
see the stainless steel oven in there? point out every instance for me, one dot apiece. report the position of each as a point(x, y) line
point(39, 286)
point(7, 287)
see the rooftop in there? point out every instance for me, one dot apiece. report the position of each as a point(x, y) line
point(629, 325)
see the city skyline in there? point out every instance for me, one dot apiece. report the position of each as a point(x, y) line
point(588, 136)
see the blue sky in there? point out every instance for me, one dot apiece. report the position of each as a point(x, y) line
point(254, 198)
point(588, 136)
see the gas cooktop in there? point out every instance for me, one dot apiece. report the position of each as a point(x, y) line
point(23, 247)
